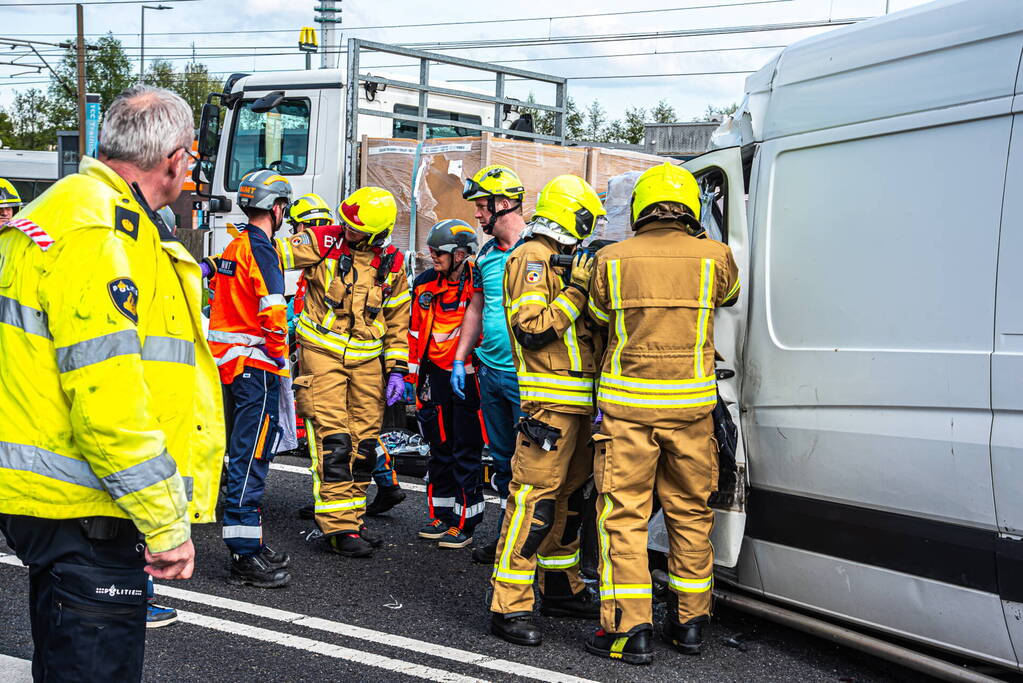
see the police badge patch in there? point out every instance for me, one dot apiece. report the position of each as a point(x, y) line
point(425, 299)
point(125, 295)
point(534, 271)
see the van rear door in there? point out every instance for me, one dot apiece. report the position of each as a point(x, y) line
point(723, 214)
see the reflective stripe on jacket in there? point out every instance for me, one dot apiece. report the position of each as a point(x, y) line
point(249, 314)
point(110, 397)
point(348, 314)
point(656, 293)
point(551, 344)
point(438, 309)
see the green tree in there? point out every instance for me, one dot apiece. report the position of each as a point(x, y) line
point(107, 72)
point(543, 121)
point(6, 129)
point(161, 74)
point(596, 117)
point(664, 113)
point(718, 113)
point(31, 121)
point(194, 85)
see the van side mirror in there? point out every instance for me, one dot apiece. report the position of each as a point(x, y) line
point(209, 131)
point(267, 102)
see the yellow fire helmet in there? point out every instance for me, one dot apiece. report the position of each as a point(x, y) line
point(665, 183)
point(371, 210)
point(572, 204)
point(9, 194)
point(310, 209)
point(493, 181)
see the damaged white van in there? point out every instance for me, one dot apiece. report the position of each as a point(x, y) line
point(874, 201)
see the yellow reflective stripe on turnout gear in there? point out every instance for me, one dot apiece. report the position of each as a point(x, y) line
point(503, 571)
point(614, 279)
point(555, 381)
point(396, 354)
point(328, 276)
point(565, 305)
point(339, 343)
point(690, 585)
point(703, 398)
point(27, 319)
point(733, 292)
point(622, 591)
point(287, 255)
point(272, 300)
point(314, 458)
point(706, 302)
point(557, 561)
point(657, 386)
point(604, 542)
point(169, 350)
point(97, 350)
point(572, 344)
point(26, 458)
point(379, 326)
point(597, 311)
point(399, 299)
point(540, 395)
point(534, 298)
point(223, 337)
point(349, 504)
point(516, 346)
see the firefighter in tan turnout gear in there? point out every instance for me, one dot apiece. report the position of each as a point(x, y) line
point(554, 361)
point(356, 314)
point(656, 293)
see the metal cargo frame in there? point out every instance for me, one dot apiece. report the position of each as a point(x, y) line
point(356, 79)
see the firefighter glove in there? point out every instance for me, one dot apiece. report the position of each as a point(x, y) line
point(582, 270)
point(458, 378)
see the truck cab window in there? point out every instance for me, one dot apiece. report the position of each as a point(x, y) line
point(278, 139)
point(712, 204)
point(408, 129)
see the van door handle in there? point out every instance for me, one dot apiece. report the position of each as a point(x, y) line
point(724, 373)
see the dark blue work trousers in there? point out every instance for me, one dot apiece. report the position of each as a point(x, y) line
point(251, 402)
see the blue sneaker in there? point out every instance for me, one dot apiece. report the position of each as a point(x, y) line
point(157, 616)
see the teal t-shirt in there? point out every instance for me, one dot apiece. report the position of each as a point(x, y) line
point(495, 349)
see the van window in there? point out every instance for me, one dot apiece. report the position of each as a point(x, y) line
point(408, 129)
point(277, 139)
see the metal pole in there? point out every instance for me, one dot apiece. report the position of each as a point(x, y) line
point(351, 117)
point(559, 116)
point(80, 16)
point(424, 79)
point(328, 60)
point(498, 107)
point(308, 61)
point(142, 46)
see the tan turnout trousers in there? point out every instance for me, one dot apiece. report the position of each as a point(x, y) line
point(347, 403)
point(540, 533)
point(682, 462)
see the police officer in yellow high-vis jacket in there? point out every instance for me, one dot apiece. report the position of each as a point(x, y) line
point(112, 434)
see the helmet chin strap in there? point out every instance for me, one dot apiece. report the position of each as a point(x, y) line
point(488, 228)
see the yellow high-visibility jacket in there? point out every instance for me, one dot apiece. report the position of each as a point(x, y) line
point(656, 293)
point(109, 396)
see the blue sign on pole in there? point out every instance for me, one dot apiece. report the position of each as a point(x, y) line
point(92, 104)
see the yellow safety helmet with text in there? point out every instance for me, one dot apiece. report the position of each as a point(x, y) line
point(9, 194)
point(370, 210)
point(310, 209)
point(570, 202)
point(665, 183)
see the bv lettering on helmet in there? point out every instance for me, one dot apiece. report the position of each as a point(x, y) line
point(534, 271)
point(351, 212)
point(126, 221)
point(125, 295)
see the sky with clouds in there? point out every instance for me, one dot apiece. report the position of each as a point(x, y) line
point(273, 25)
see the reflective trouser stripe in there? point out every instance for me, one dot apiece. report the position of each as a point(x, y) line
point(25, 318)
point(503, 571)
point(442, 502)
point(557, 561)
point(25, 458)
point(169, 350)
point(690, 585)
point(350, 504)
point(243, 532)
point(604, 541)
point(97, 350)
point(470, 511)
point(622, 591)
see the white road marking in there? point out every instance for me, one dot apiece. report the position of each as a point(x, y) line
point(294, 469)
point(14, 670)
point(338, 628)
point(330, 650)
point(422, 647)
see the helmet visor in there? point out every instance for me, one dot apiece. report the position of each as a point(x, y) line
point(471, 189)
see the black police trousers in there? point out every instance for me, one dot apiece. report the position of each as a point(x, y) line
point(87, 596)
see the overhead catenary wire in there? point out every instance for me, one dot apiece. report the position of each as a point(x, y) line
point(719, 5)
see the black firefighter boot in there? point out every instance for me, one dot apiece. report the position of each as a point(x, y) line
point(253, 570)
point(686, 638)
point(558, 600)
point(516, 627)
point(632, 648)
point(349, 544)
point(385, 499)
